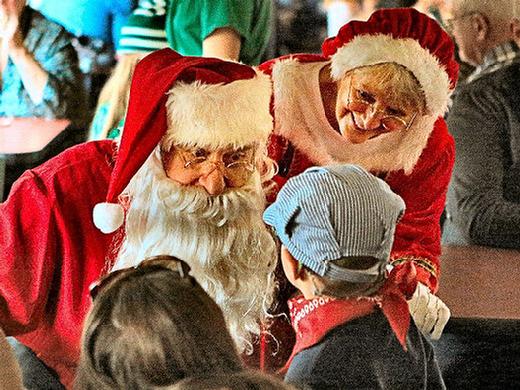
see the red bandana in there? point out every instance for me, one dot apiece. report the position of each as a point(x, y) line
point(313, 319)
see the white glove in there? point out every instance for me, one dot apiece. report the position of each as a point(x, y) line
point(428, 311)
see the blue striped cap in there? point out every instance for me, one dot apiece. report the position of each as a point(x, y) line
point(329, 213)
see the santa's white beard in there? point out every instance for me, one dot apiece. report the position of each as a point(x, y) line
point(223, 239)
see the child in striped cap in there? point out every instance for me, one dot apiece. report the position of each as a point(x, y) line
point(353, 329)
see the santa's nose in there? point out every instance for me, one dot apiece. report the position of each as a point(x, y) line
point(213, 181)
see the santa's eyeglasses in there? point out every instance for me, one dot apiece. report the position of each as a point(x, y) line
point(361, 101)
point(237, 165)
point(178, 267)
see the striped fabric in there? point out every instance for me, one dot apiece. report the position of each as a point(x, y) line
point(144, 31)
point(329, 213)
point(497, 58)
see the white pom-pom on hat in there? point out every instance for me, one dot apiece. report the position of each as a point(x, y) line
point(108, 217)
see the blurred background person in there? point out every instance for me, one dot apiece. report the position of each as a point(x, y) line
point(95, 25)
point(483, 202)
point(340, 12)
point(221, 29)
point(484, 197)
point(39, 66)
point(139, 37)
point(301, 26)
point(228, 29)
point(431, 8)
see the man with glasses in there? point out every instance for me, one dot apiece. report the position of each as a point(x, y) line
point(376, 98)
point(185, 180)
point(483, 202)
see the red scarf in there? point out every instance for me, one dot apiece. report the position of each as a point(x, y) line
point(313, 319)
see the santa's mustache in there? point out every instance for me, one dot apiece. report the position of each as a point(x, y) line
point(223, 238)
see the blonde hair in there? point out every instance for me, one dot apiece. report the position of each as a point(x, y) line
point(399, 83)
point(115, 93)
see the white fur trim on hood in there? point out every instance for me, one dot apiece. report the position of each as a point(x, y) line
point(298, 120)
point(365, 50)
point(219, 115)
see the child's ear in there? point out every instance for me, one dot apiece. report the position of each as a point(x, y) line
point(290, 266)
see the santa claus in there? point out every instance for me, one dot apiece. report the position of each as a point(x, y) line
point(185, 180)
point(376, 97)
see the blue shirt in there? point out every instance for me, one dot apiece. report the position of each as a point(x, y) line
point(100, 19)
point(63, 95)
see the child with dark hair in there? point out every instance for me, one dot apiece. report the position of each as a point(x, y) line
point(151, 326)
point(353, 328)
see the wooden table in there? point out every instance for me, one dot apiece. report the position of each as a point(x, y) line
point(481, 282)
point(27, 142)
point(480, 346)
point(28, 136)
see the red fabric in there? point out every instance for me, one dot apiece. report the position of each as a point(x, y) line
point(313, 319)
point(146, 120)
point(418, 235)
point(52, 252)
point(401, 23)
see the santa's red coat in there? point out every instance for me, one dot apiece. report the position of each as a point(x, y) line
point(52, 252)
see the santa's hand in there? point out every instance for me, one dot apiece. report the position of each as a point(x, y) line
point(428, 311)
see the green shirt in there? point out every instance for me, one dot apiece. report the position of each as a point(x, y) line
point(189, 22)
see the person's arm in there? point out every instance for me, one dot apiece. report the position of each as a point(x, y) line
point(63, 95)
point(483, 132)
point(416, 247)
point(34, 77)
point(417, 236)
point(49, 70)
point(28, 254)
point(222, 43)
point(223, 26)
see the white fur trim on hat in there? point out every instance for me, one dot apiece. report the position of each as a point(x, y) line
point(299, 121)
point(219, 115)
point(365, 50)
point(108, 217)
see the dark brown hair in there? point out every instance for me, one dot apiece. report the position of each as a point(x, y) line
point(343, 289)
point(151, 327)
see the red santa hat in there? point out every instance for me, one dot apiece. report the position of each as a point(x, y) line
point(403, 36)
point(191, 100)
